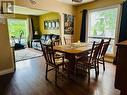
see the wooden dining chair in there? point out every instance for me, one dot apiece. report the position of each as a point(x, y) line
point(57, 42)
point(91, 62)
point(68, 40)
point(103, 52)
point(52, 61)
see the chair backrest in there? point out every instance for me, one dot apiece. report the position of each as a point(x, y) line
point(65, 42)
point(55, 37)
point(48, 54)
point(56, 42)
point(95, 52)
point(68, 40)
point(105, 47)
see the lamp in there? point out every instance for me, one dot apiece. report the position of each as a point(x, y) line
point(77, 0)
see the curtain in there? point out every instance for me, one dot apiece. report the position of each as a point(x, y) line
point(83, 26)
point(123, 27)
point(30, 35)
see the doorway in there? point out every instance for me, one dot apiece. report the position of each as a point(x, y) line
point(18, 31)
point(29, 25)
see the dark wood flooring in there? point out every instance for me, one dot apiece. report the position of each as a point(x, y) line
point(29, 79)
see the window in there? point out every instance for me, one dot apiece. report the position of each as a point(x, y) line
point(103, 24)
point(18, 31)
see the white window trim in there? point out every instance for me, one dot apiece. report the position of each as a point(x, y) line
point(117, 22)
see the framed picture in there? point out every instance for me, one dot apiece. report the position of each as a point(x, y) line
point(57, 24)
point(51, 24)
point(7, 7)
point(45, 24)
point(68, 24)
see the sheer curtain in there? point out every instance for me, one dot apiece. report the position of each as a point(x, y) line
point(30, 30)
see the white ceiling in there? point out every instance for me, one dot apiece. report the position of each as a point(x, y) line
point(28, 11)
point(75, 3)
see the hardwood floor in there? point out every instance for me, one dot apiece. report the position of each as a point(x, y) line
point(29, 79)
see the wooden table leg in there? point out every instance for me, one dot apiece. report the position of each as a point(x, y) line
point(71, 65)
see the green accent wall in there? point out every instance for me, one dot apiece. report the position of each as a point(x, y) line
point(38, 22)
point(49, 16)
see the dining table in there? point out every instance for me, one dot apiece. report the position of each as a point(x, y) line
point(74, 48)
point(71, 51)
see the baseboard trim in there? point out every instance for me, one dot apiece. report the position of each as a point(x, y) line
point(7, 71)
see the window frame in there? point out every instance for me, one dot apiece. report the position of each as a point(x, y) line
point(26, 26)
point(118, 20)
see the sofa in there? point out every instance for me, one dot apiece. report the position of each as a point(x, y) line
point(36, 43)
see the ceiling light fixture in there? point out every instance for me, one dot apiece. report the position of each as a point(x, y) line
point(77, 0)
point(33, 1)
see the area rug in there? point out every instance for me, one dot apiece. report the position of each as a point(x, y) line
point(27, 53)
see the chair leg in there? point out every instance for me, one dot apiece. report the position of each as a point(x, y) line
point(103, 64)
point(97, 67)
point(46, 72)
point(96, 71)
point(88, 75)
point(41, 45)
point(56, 72)
point(63, 67)
point(31, 44)
point(68, 71)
